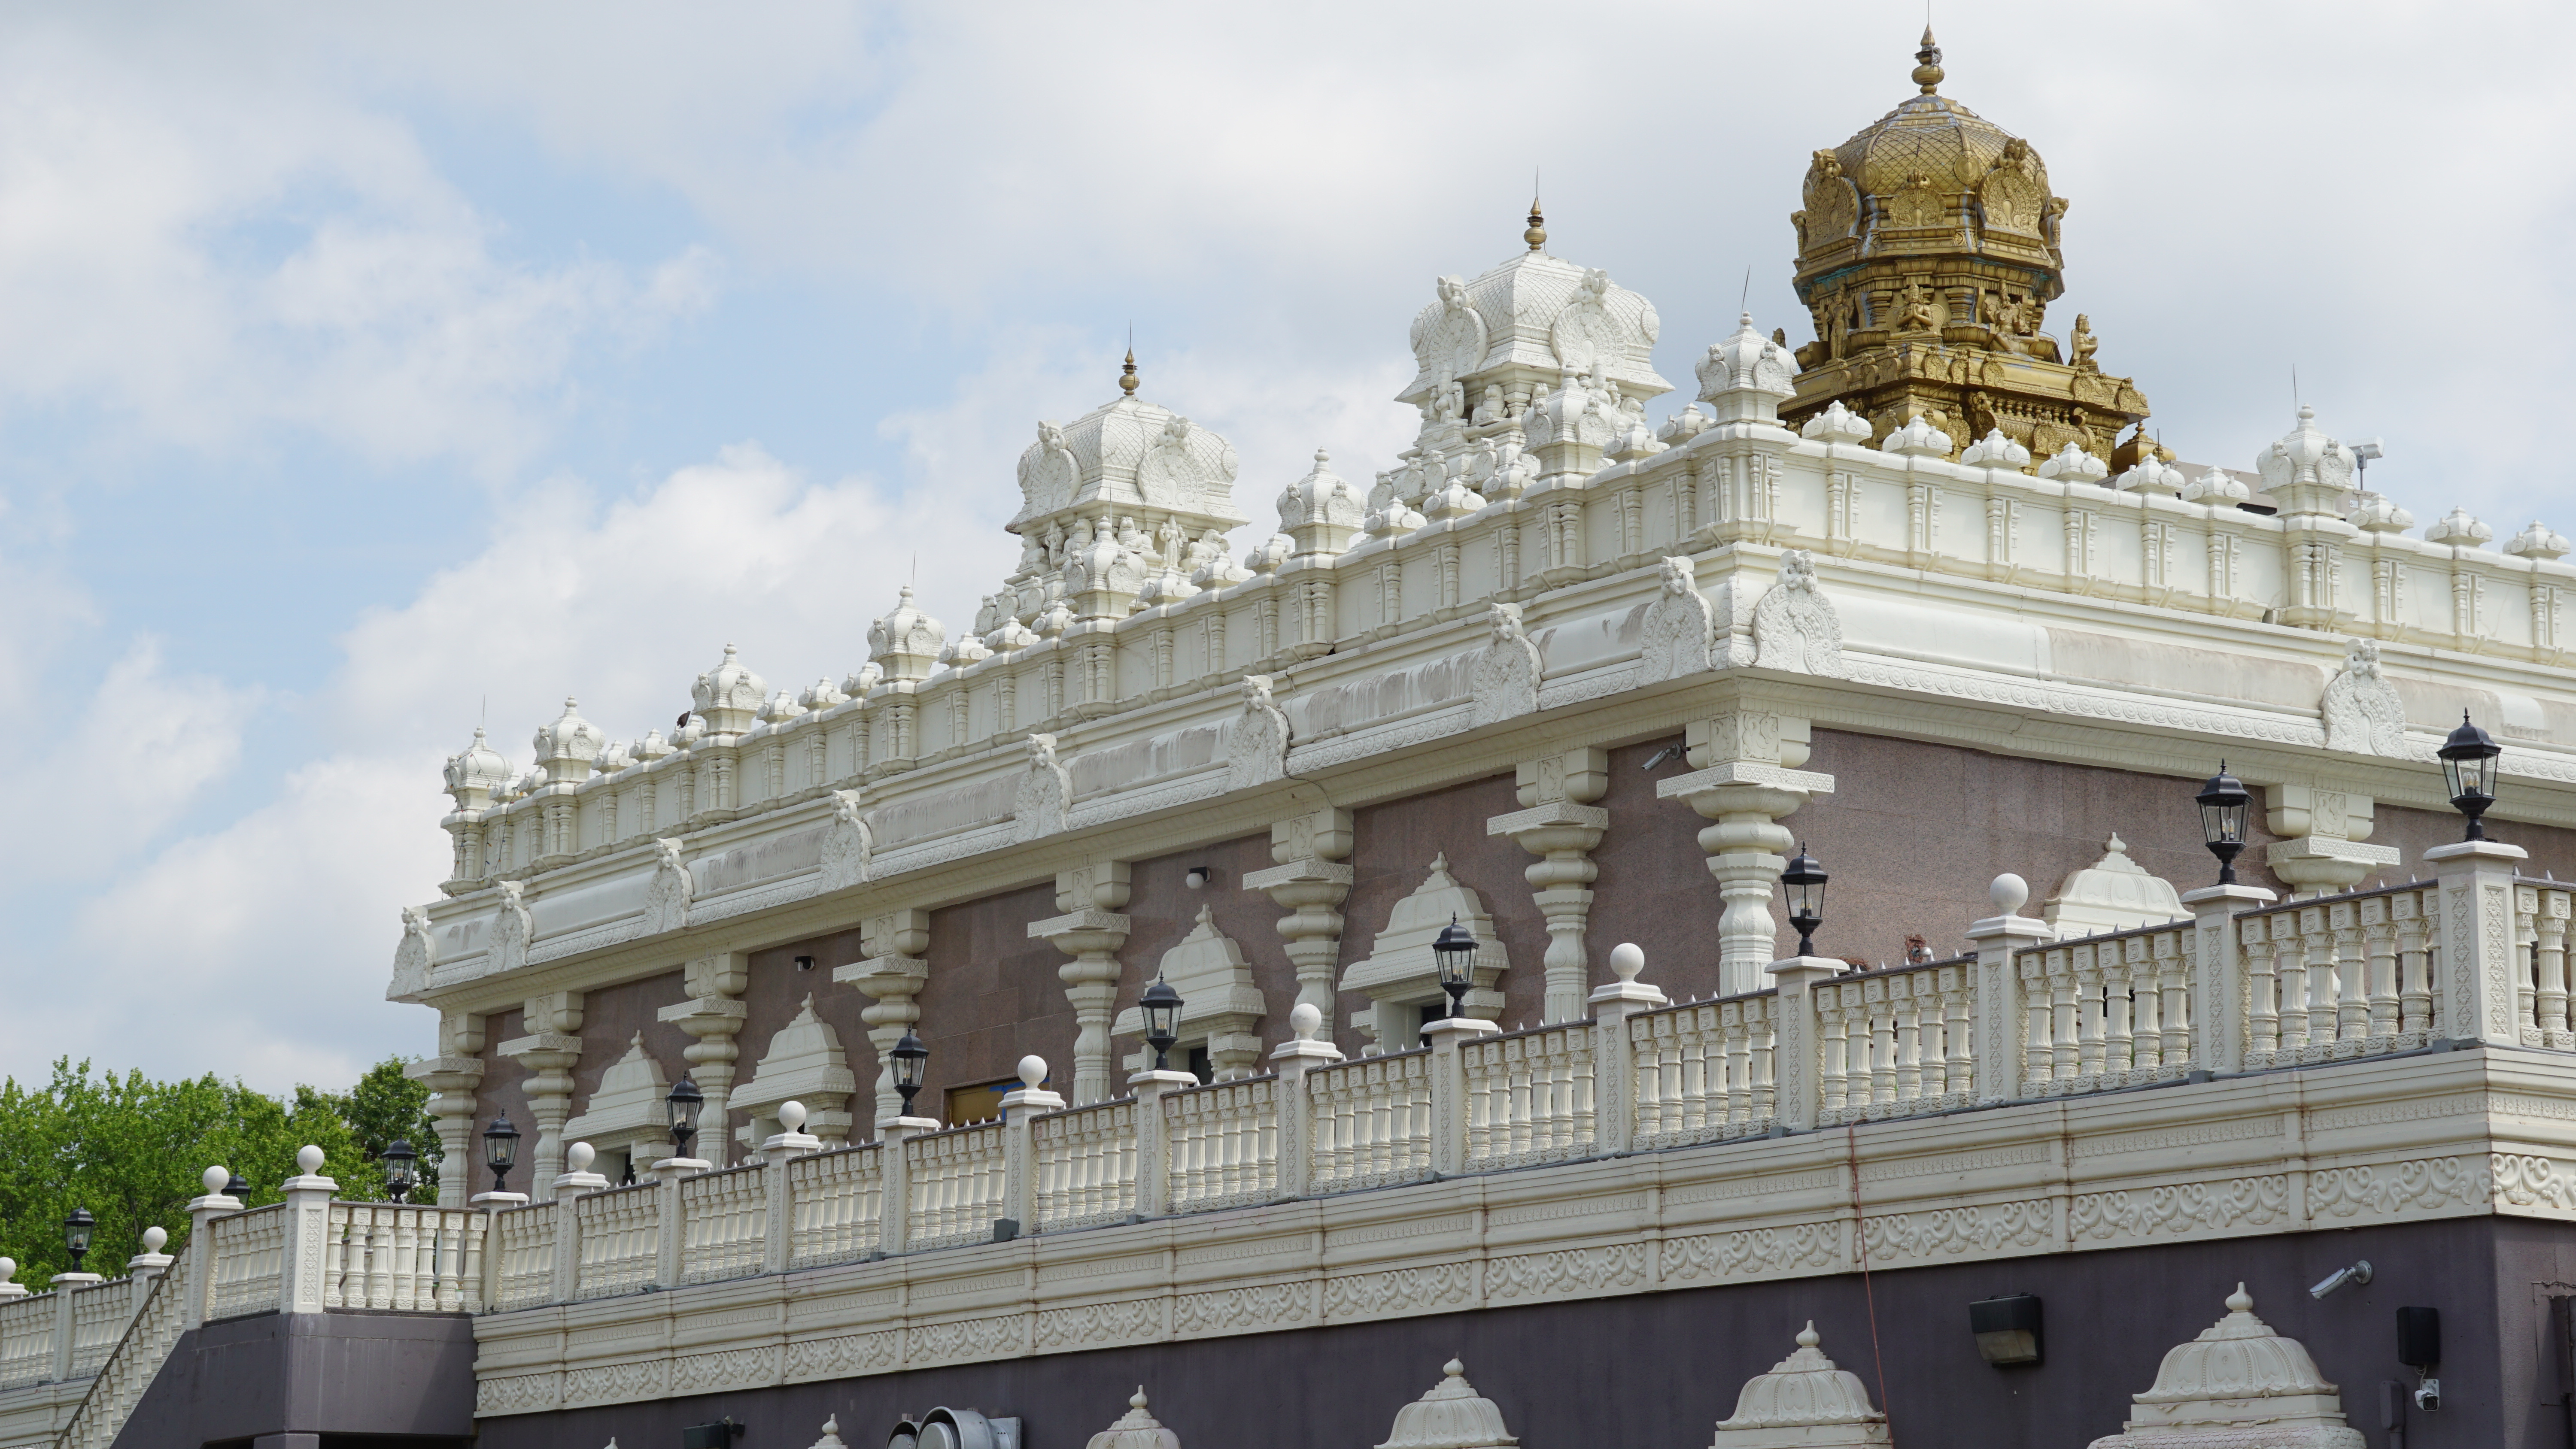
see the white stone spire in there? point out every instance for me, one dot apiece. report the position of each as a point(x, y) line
point(2238, 1383)
point(2306, 472)
point(475, 772)
point(906, 642)
point(729, 696)
point(567, 747)
point(1804, 1401)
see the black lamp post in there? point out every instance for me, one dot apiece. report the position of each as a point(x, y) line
point(1804, 882)
point(2469, 768)
point(76, 1231)
point(910, 1060)
point(501, 1150)
point(683, 1105)
point(2223, 803)
point(1455, 950)
point(236, 1189)
point(1162, 1007)
point(401, 1164)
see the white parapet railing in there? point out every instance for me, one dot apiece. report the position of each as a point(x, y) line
point(619, 1240)
point(142, 1344)
point(1703, 1070)
point(2346, 976)
point(522, 1244)
point(2541, 910)
point(387, 1256)
point(1223, 1142)
point(1086, 1166)
point(1896, 1041)
point(1372, 1121)
point(838, 1202)
point(249, 1262)
point(27, 1340)
point(1529, 1096)
point(726, 1218)
point(956, 1184)
point(100, 1313)
point(2107, 1011)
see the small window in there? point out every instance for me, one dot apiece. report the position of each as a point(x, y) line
point(1201, 1067)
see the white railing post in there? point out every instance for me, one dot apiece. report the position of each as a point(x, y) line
point(667, 1174)
point(147, 1265)
point(1293, 1059)
point(1614, 1067)
point(894, 1214)
point(64, 1283)
point(1020, 1111)
point(492, 1203)
point(1798, 1091)
point(1448, 1078)
point(2220, 1033)
point(577, 1179)
point(202, 1213)
point(1153, 1139)
point(778, 1242)
point(2476, 952)
point(1996, 1047)
point(304, 1260)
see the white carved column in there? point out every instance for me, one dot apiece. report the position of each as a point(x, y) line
point(1746, 780)
point(1292, 1059)
point(2221, 1025)
point(713, 1015)
point(1796, 1067)
point(1310, 883)
point(892, 974)
point(2475, 955)
point(1614, 1073)
point(452, 1077)
point(1089, 930)
point(2001, 1030)
point(548, 1051)
point(2324, 830)
point(1559, 823)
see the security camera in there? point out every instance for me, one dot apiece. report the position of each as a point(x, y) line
point(2429, 1397)
point(2357, 1273)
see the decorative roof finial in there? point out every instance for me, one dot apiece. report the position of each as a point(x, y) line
point(1927, 68)
point(1536, 236)
point(1127, 374)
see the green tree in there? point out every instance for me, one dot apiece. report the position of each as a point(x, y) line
point(384, 1107)
point(132, 1151)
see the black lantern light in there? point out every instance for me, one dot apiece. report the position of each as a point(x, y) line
point(236, 1189)
point(911, 1059)
point(1804, 881)
point(682, 1106)
point(401, 1169)
point(1162, 1007)
point(76, 1231)
point(2223, 802)
point(2469, 767)
point(1455, 951)
point(501, 1150)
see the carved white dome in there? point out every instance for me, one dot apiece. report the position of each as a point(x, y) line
point(2114, 893)
point(474, 772)
point(906, 642)
point(2305, 471)
point(2239, 1374)
point(1135, 1429)
point(2537, 541)
point(1320, 512)
point(1803, 1392)
point(1451, 1416)
point(567, 746)
point(1540, 316)
point(728, 696)
point(1747, 360)
point(1127, 456)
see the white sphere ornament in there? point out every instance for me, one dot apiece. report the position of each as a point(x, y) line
point(153, 1238)
point(8, 1269)
point(308, 1159)
point(1626, 960)
point(2009, 893)
point(791, 1116)
point(578, 1157)
point(1033, 1072)
point(1305, 1020)
point(215, 1178)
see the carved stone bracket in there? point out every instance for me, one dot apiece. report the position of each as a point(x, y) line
point(1090, 930)
point(1746, 782)
point(1559, 823)
point(452, 1077)
point(892, 974)
point(1310, 883)
point(2326, 829)
point(713, 1014)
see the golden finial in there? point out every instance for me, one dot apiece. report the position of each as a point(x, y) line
point(1536, 236)
point(1127, 374)
point(1927, 68)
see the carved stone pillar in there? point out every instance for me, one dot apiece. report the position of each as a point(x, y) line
point(2324, 829)
point(892, 975)
point(452, 1077)
point(1558, 822)
point(548, 1051)
point(712, 1014)
point(1310, 883)
point(1090, 930)
point(1746, 779)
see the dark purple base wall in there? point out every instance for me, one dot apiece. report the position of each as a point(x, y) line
point(1656, 1371)
point(352, 1379)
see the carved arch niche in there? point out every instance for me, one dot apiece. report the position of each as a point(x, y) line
point(1400, 975)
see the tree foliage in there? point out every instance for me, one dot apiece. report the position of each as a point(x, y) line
point(133, 1151)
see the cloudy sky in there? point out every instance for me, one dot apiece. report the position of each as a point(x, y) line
point(365, 372)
